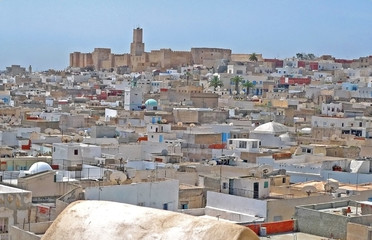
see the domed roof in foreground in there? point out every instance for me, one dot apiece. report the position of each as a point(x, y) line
point(151, 102)
point(271, 127)
point(39, 167)
point(102, 221)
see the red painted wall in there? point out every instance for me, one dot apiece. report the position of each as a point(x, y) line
point(314, 66)
point(292, 81)
point(273, 227)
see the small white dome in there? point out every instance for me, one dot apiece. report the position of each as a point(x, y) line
point(39, 167)
point(271, 127)
point(305, 130)
point(285, 137)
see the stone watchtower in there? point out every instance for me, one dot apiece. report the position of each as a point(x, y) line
point(137, 47)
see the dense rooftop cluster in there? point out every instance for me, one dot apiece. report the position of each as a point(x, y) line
point(233, 137)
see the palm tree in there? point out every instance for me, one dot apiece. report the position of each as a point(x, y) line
point(188, 75)
point(248, 85)
point(237, 80)
point(215, 82)
point(253, 57)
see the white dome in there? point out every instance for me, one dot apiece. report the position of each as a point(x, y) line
point(160, 224)
point(39, 167)
point(271, 127)
point(285, 137)
point(305, 130)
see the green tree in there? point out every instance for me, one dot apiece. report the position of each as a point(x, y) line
point(311, 56)
point(253, 57)
point(188, 76)
point(300, 56)
point(304, 56)
point(215, 82)
point(237, 80)
point(248, 85)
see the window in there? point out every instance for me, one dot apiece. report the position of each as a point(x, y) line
point(184, 206)
point(254, 145)
point(266, 184)
point(284, 180)
point(165, 206)
point(224, 185)
point(242, 144)
point(76, 152)
point(3, 225)
point(230, 142)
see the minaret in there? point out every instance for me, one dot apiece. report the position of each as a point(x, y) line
point(137, 47)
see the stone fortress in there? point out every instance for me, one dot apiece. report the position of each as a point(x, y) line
point(139, 60)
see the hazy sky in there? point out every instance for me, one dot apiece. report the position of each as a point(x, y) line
point(43, 32)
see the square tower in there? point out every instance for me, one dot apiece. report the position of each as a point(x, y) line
point(137, 47)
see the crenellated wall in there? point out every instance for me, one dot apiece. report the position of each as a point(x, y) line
point(139, 60)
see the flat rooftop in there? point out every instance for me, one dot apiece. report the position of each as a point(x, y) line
point(294, 235)
point(7, 189)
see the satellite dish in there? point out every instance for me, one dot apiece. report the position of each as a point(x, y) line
point(265, 169)
point(164, 152)
point(48, 131)
point(331, 185)
point(56, 131)
point(212, 163)
point(309, 190)
point(180, 124)
point(66, 139)
point(78, 138)
point(117, 177)
point(119, 156)
point(164, 121)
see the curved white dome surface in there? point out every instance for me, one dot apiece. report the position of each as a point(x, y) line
point(305, 130)
point(39, 167)
point(271, 127)
point(102, 221)
point(285, 137)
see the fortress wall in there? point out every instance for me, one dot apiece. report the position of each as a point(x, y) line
point(121, 60)
point(87, 60)
point(99, 55)
point(180, 58)
point(244, 57)
point(201, 54)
